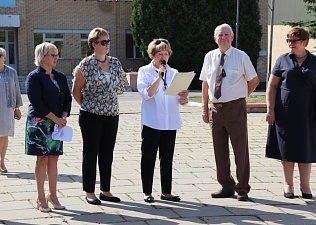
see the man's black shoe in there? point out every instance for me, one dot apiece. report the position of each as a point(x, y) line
point(242, 197)
point(222, 194)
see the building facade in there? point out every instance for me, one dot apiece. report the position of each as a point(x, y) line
point(262, 63)
point(67, 23)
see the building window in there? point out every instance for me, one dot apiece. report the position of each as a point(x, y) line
point(7, 41)
point(55, 38)
point(85, 50)
point(131, 51)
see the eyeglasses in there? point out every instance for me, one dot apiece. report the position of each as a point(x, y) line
point(292, 41)
point(53, 56)
point(103, 42)
point(158, 41)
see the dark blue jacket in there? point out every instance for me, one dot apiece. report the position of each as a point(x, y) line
point(44, 96)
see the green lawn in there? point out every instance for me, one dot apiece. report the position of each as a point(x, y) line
point(250, 99)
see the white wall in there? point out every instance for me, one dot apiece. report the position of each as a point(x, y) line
point(288, 10)
point(279, 45)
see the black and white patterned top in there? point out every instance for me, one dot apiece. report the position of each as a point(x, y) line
point(101, 90)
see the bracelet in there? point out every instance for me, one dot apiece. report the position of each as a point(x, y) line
point(63, 117)
point(16, 109)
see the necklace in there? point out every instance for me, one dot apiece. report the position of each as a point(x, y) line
point(301, 56)
point(101, 61)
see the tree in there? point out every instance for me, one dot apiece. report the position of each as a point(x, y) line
point(189, 26)
point(310, 6)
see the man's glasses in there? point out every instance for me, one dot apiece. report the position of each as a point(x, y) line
point(158, 41)
point(103, 42)
point(53, 56)
point(292, 41)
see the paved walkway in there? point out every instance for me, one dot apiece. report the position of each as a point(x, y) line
point(194, 180)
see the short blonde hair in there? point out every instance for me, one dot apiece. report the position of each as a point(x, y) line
point(2, 52)
point(41, 50)
point(158, 45)
point(95, 34)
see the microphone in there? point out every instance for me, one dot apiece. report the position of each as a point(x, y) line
point(163, 63)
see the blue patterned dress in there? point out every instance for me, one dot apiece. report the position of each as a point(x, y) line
point(45, 96)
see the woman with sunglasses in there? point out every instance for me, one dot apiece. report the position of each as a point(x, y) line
point(291, 112)
point(98, 80)
point(160, 118)
point(50, 103)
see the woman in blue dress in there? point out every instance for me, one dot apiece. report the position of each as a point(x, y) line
point(291, 112)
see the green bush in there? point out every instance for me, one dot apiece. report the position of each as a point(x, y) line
point(189, 26)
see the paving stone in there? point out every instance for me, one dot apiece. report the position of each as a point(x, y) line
point(194, 179)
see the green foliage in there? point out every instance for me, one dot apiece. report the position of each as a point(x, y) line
point(310, 6)
point(189, 27)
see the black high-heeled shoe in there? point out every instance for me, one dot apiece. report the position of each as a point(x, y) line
point(288, 195)
point(307, 196)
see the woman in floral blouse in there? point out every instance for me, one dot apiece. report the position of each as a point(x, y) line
point(98, 80)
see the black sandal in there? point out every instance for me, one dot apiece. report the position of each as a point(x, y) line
point(172, 198)
point(149, 199)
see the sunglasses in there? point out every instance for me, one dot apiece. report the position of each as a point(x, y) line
point(292, 41)
point(157, 42)
point(103, 42)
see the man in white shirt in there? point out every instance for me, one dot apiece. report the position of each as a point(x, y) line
point(227, 115)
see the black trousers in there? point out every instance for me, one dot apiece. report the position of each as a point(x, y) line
point(153, 139)
point(99, 136)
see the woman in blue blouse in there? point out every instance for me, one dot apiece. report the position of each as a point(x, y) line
point(50, 103)
point(291, 112)
point(98, 80)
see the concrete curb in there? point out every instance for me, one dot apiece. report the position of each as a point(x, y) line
point(251, 107)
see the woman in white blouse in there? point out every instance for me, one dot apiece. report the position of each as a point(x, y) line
point(160, 118)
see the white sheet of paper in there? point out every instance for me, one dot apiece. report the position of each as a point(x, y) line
point(181, 81)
